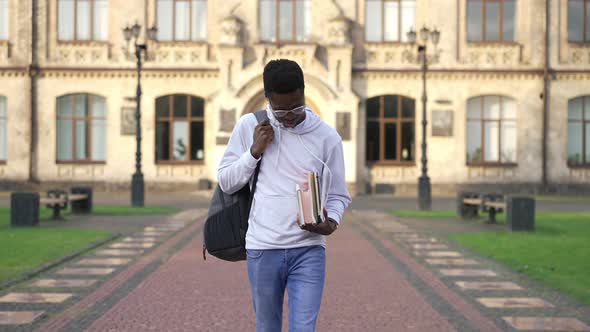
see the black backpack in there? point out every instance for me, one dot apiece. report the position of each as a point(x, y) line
point(227, 220)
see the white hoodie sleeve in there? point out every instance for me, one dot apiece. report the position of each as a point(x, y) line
point(237, 165)
point(338, 196)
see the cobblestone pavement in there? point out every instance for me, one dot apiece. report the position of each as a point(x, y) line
point(383, 274)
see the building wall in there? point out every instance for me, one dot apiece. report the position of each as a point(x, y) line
point(15, 86)
point(341, 70)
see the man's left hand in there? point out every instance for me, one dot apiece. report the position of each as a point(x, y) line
point(325, 228)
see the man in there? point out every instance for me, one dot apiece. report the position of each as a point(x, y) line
point(293, 142)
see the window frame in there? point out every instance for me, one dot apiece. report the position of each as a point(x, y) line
point(3, 40)
point(75, 40)
point(278, 40)
point(585, 35)
point(190, 40)
point(398, 120)
point(399, 24)
point(482, 120)
point(88, 121)
point(500, 23)
point(585, 163)
point(5, 118)
point(189, 119)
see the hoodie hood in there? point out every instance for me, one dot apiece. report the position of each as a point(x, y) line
point(311, 122)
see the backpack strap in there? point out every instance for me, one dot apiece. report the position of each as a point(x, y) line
point(260, 116)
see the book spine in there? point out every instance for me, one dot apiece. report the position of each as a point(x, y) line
point(319, 212)
point(313, 202)
point(301, 217)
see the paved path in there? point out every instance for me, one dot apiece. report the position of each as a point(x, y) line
point(382, 275)
point(188, 294)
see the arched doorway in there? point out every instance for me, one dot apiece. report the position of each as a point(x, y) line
point(259, 102)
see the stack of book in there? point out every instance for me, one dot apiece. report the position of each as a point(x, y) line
point(310, 203)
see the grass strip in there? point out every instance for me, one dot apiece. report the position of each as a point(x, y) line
point(556, 253)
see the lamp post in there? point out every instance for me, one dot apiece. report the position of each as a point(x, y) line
point(137, 183)
point(424, 189)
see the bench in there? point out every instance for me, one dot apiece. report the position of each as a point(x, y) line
point(520, 211)
point(24, 206)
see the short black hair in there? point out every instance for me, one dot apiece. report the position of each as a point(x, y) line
point(282, 76)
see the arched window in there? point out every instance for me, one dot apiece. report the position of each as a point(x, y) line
point(180, 128)
point(81, 128)
point(389, 20)
point(3, 129)
point(390, 129)
point(491, 20)
point(491, 130)
point(578, 131)
point(285, 20)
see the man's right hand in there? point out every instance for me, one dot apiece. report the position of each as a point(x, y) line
point(263, 136)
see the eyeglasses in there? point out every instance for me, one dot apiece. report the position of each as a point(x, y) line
point(279, 114)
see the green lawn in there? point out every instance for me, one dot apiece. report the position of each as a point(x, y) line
point(23, 249)
point(129, 211)
point(424, 214)
point(557, 253)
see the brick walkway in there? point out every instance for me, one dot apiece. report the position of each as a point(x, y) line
point(382, 276)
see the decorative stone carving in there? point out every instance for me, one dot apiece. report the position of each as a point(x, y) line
point(163, 55)
point(343, 125)
point(182, 171)
point(128, 123)
point(491, 58)
point(227, 120)
point(383, 55)
point(492, 55)
point(181, 53)
point(68, 172)
point(222, 140)
point(303, 54)
point(442, 123)
point(231, 31)
point(338, 31)
point(577, 57)
point(82, 53)
point(383, 174)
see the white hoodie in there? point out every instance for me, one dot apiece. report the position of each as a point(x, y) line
point(286, 161)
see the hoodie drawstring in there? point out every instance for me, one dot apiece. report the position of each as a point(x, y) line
point(278, 154)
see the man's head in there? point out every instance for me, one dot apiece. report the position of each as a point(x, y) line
point(284, 87)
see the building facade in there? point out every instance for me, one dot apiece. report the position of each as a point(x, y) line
point(508, 87)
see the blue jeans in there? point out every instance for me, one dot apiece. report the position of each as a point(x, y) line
point(301, 271)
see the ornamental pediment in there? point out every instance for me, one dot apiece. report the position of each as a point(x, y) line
point(303, 54)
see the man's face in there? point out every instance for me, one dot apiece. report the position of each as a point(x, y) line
point(288, 101)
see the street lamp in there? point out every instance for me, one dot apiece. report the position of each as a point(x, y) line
point(424, 190)
point(133, 32)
